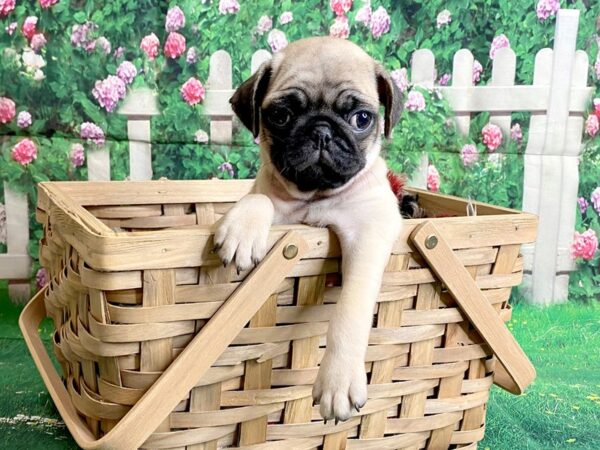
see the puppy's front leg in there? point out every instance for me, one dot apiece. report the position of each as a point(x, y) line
point(341, 385)
point(243, 232)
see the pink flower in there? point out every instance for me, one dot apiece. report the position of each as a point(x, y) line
point(37, 42)
point(150, 45)
point(443, 18)
point(227, 167)
point(444, 79)
point(23, 119)
point(28, 27)
point(7, 110)
point(547, 8)
point(433, 178)
point(109, 91)
point(2, 224)
point(77, 155)
point(6, 7)
point(380, 22)
point(264, 24)
point(80, 36)
point(47, 3)
point(92, 133)
point(175, 45)
point(175, 19)
point(516, 134)
point(500, 41)
point(41, 278)
point(469, 155)
point(592, 125)
point(597, 66)
point(364, 14)
point(477, 69)
point(415, 101)
point(228, 6)
point(24, 152)
point(201, 136)
point(286, 17)
point(10, 29)
point(192, 91)
point(118, 52)
point(583, 204)
point(596, 104)
point(192, 56)
point(340, 7)
point(126, 72)
point(400, 77)
point(340, 28)
point(103, 44)
point(277, 40)
point(584, 245)
point(492, 136)
point(595, 198)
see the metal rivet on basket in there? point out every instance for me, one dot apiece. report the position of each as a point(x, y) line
point(431, 241)
point(290, 251)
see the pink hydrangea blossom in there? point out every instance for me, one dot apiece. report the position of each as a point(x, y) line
point(286, 17)
point(175, 19)
point(469, 155)
point(7, 110)
point(227, 167)
point(11, 27)
point(175, 45)
point(340, 28)
point(400, 77)
point(583, 204)
point(584, 245)
point(92, 133)
point(363, 15)
point(38, 41)
point(547, 8)
point(77, 155)
point(48, 3)
point(500, 41)
point(433, 178)
point(492, 136)
point(516, 134)
point(24, 119)
point(340, 7)
point(29, 27)
point(477, 70)
point(25, 152)
point(597, 66)
point(109, 91)
point(596, 103)
point(191, 56)
point(265, 23)
point(595, 198)
point(126, 72)
point(118, 52)
point(192, 91)
point(3, 231)
point(201, 136)
point(6, 7)
point(415, 101)
point(444, 79)
point(103, 44)
point(150, 45)
point(81, 36)
point(380, 22)
point(443, 18)
point(41, 278)
point(592, 125)
point(277, 40)
point(228, 6)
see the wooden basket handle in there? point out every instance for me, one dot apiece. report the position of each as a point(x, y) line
point(185, 371)
point(515, 371)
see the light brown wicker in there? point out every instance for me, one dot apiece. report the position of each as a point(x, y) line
point(163, 347)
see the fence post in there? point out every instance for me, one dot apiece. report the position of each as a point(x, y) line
point(422, 73)
point(462, 76)
point(139, 107)
point(545, 256)
point(216, 104)
point(98, 164)
point(503, 74)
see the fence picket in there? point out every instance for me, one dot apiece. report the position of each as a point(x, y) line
point(503, 74)
point(220, 84)
point(462, 75)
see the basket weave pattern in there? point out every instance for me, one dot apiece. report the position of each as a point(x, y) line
point(429, 371)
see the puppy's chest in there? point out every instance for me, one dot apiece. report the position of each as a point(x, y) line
point(315, 213)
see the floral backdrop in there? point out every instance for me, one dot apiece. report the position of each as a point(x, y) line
point(66, 66)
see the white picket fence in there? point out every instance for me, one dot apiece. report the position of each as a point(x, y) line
point(557, 100)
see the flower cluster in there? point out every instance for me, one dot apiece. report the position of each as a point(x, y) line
point(41, 278)
point(477, 70)
point(516, 134)
point(469, 155)
point(24, 152)
point(48, 3)
point(126, 72)
point(228, 6)
point(500, 41)
point(29, 27)
point(92, 133)
point(583, 204)
point(584, 245)
point(380, 22)
point(103, 44)
point(77, 155)
point(175, 45)
point(265, 23)
point(149, 45)
point(109, 91)
point(175, 19)
point(433, 178)
point(547, 8)
point(340, 28)
point(7, 110)
point(192, 91)
point(38, 41)
point(340, 7)
point(592, 125)
point(415, 101)
point(227, 167)
point(286, 17)
point(595, 198)
point(443, 18)
point(6, 7)
point(400, 78)
point(192, 55)
point(277, 40)
point(24, 119)
point(492, 136)
point(81, 36)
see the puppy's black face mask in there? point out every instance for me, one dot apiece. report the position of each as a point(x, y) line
point(318, 146)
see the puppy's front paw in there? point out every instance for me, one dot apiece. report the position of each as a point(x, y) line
point(242, 234)
point(340, 388)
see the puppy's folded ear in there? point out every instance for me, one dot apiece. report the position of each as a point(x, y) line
point(247, 99)
point(390, 97)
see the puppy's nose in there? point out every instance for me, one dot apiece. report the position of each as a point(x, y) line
point(322, 134)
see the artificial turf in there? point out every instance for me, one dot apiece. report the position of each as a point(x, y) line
point(560, 410)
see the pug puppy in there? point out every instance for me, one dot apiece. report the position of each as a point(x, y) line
point(315, 106)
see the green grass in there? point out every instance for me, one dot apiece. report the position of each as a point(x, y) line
point(561, 410)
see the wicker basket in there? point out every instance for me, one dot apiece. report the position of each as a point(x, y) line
point(163, 347)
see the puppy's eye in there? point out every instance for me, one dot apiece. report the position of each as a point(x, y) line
point(279, 116)
point(361, 120)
